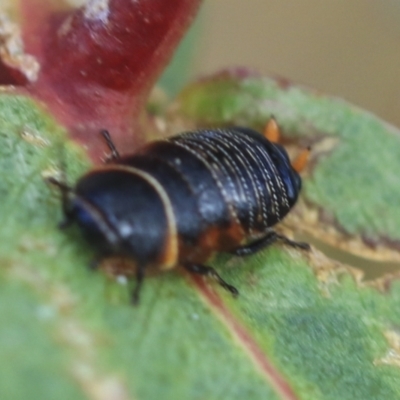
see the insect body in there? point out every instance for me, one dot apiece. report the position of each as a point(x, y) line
point(177, 201)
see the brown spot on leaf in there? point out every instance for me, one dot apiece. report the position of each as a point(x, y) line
point(33, 137)
point(18, 67)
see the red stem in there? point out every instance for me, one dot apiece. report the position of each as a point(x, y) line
point(99, 62)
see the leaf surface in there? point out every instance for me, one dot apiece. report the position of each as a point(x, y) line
point(303, 327)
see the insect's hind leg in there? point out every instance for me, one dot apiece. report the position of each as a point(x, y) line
point(114, 152)
point(293, 243)
point(265, 241)
point(135, 295)
point(199, 269)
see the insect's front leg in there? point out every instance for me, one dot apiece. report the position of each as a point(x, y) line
point(96, 263)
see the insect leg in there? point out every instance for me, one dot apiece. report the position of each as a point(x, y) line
point(255, 246)
point(96, 263)
point(114, 152)
point(212, 273)
point(136, 290)
point(265, 241)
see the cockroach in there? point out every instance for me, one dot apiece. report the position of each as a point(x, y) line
point(177, 201)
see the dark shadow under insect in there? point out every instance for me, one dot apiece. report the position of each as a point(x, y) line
point(177, 201)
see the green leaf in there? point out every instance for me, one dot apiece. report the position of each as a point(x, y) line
point(303, 327)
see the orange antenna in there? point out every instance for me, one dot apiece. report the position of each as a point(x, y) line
point(271, 131)
point(301, 160)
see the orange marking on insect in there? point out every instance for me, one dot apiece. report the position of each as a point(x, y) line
point(169, 257)
point(271, 131)
point(234, 237)
point(116, 266)
point(217, 238)
point(301, 161)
